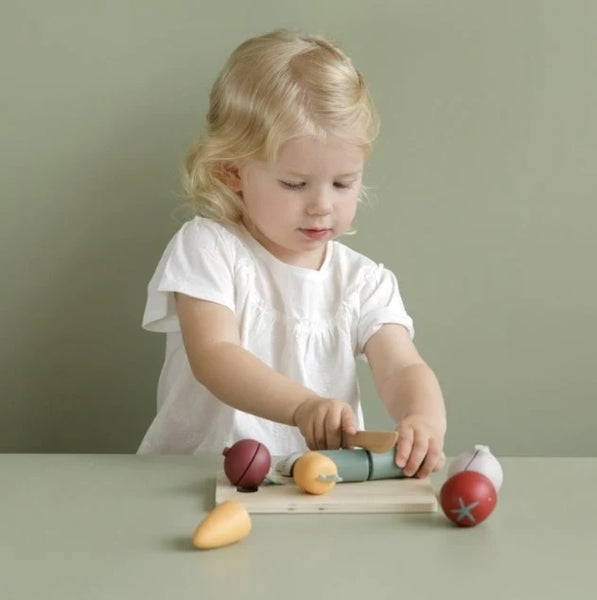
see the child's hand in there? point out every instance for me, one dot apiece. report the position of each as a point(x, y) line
point(322, 421)
point(420, 446)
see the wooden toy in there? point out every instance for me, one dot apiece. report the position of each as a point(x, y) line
point(371, 483)
point(353, 465)
point(479, 459)
point(374, 441)
point(407, 495)
point(468, 498)
point(315, 473)
point(227, 523)
point(247, 463)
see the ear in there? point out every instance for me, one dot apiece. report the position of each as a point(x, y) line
point(230, 174)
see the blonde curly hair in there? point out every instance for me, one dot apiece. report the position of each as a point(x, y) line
point(274, 88)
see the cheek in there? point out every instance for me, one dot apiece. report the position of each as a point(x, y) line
point(257, 202)
point(271, 213)
point(349, 208)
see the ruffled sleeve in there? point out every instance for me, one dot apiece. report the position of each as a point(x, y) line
point(199, 262)
point(380, 303)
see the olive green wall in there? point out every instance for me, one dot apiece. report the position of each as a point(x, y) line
point(484, 184)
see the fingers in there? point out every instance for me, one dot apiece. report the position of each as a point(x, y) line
point(348, 422)
point(433, 461)
point(312, 435)
point(323, 430)
point(404, 446)
point(417, 453)
point(323, 427)
point(333, 430)
point(319, 428)
point(338, 418)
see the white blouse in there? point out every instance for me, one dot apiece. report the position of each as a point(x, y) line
point(309, 325)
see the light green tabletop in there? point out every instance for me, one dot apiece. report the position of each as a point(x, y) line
point(118, 527)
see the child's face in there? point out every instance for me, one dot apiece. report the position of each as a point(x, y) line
point(306, 197)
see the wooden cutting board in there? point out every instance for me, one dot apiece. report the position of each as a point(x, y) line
point(381, 496)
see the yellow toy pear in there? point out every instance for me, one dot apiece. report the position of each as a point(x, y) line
point(227, 523)
point(315, 473)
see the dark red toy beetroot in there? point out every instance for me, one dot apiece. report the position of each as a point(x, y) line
point(468, 498)
point(247, 463)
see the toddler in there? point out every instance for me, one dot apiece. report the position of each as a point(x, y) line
point(264, 311)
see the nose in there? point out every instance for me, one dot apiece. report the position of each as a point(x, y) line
point(319, 203)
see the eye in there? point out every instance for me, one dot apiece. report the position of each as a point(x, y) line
point(343, 185)
point(289, 185)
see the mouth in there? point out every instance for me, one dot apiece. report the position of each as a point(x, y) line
point(315, 233)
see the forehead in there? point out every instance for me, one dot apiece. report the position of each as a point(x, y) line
point(313, 155)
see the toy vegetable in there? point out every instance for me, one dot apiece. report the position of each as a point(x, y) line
point(479, 459)
point(468, 498)
point(247, 463)
point(315, 473)
point(227, 523)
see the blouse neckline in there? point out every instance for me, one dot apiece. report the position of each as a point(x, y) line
point(282, 266)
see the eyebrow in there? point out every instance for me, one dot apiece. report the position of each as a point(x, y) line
point(341, 176)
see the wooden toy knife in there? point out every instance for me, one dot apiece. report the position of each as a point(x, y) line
point(374, 441)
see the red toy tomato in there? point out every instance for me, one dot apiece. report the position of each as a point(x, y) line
point(247, 463)
point(468, 498)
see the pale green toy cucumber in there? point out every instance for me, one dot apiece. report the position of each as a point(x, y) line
point(362, 465)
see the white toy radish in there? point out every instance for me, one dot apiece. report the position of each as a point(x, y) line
point(479, 459)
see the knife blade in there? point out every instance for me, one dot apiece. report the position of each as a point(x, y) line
point(374, 441)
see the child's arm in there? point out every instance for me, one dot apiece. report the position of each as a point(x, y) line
point(241, 380)
point(412, 396)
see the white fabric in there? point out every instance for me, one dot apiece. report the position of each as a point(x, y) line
point(309, 325)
